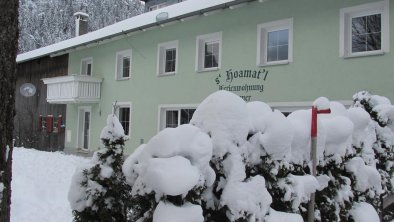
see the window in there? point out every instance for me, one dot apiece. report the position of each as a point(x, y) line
point(123, 111)
point(208, 52)
point(366, 33)
point(86, 66)
point(123, 65)
point(278, 45)
point(155, 7)
point(275, 42)
point(211, 54)
point(171, 117)
point(364, 29)
point(167, 58)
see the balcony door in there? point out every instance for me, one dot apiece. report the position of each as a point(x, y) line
point(84, 114)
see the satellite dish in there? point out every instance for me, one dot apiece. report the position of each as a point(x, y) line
point(27, 90)
point(161, 16)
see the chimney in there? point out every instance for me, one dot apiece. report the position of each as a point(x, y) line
point(81, 23)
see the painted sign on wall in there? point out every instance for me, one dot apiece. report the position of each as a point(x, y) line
point(242, 82)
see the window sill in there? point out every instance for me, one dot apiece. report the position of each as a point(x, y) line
point(82, 150)
point(363, 54)
point(208, 69)
point(123, 79)
point(276, 63)
point(166, 74)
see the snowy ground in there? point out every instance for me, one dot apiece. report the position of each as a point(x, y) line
point(40, 185)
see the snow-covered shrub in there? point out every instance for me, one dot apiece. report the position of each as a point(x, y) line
point(226, 118)
point(199, 169)
point(172, 169)
point(364, 212)
point(169, 212)
point(275, 216)
point(367, 178)
point(333, 202)
point(239, 161)
point(381, 145)
point(99, 191)
point(268, 152)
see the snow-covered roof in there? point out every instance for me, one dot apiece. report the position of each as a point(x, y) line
point(137, 23)
point(81, 13)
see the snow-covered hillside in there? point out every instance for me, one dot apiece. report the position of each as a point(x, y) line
point(44, 22)
point(40, 184)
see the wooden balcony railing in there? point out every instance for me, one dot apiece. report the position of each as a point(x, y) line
point(73, 89)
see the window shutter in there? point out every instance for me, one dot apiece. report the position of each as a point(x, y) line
point(49, 123)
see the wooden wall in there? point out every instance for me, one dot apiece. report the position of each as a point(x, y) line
point(27, 132)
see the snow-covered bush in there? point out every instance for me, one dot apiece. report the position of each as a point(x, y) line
point(239, 161)
point(169, 174)
point(377, 150)
point(99, 191)
point(364, 212)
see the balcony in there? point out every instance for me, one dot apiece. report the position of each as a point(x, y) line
point(73, 89)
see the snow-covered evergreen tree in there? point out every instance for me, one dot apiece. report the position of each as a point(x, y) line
point(99, 191)
point(45, 22)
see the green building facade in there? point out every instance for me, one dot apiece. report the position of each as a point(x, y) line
point(285, 53)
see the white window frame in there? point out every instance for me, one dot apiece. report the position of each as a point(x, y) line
point(262, 41)
point(119, 64)
point(200, 50)
point(123, 105)
point(161, 57)
point(345, 32)
point(84, 63)
point(170, 107)
point(158, 6)
point(80, 131)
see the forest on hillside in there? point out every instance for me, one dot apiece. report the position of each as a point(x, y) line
point(45, 22)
